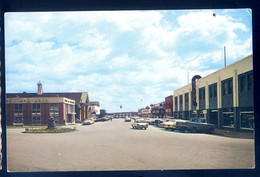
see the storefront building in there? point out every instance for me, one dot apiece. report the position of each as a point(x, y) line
point(168, 106)
point(225, 98)
point(38, 110)
point(158, 110)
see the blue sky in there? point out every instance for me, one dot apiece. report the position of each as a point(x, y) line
point(121, 57)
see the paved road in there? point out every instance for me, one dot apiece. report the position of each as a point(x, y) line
point(115, 146)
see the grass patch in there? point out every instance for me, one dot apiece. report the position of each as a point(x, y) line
point(44, 130)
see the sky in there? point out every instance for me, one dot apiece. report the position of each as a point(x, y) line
point(128, 58)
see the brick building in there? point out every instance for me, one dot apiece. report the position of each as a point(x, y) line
point(38, 108)
point(158, 110)
point(168, 106)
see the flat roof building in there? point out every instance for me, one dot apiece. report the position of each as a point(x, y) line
point(37, 108)
point(225, 97)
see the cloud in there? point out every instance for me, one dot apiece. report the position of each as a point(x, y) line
point(119, 57)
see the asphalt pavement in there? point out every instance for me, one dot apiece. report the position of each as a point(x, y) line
point(106, 146)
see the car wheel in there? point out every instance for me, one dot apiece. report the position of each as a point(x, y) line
point(145, 128)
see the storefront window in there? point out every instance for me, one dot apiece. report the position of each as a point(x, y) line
point(247, 120)
point(228, 119)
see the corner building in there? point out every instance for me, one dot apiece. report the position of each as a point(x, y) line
point(225, 98)
point(38, 110)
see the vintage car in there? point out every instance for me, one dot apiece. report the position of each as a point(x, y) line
point(88, 121)
point(176, 124)
point(192, 125)
point(127, 119)
point(140, 124)
point(200, 125)
point(150, 121)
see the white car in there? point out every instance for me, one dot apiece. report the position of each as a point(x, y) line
point(140, 124)
point(127, 119)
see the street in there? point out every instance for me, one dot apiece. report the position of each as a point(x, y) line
point(114, 145)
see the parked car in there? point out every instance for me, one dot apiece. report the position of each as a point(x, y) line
point(150, 121)
point(127, 119)
point(192, 125)
point(176, 124)
point(87, 122)
point(140, 124)
point(77, 121)
point(199, 124)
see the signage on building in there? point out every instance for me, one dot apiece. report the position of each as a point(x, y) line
point(193, 92)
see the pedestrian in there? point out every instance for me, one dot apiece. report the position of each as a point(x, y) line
point(111, 119)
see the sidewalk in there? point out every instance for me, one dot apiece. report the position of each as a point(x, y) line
point(234, 134)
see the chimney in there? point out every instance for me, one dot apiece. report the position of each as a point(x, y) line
point(39, 92)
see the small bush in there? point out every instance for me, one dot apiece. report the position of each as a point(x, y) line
point(44, 130)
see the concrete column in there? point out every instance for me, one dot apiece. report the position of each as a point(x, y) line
point(208, 115)
point(237, 118)
point(197, 113)
point(220, 118)
point(190, 114)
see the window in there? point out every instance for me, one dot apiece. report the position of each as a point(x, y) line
point(210, 91)
point(202, 93)
point(247, 120)
point(176, 100)
point(181, 99)
point(18, 113)
point(228, 119)
point(227, 87)
point(230, 87)
point(242, 83)
point(36, 114)
point(224, 88)
point(186, 97)
point(215, 90)
point(250, 82)
point(54, 112)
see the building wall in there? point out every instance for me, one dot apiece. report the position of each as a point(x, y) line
point(45, 113)
point(169, 106)
point(27, 113)
point(9, 114)
point(231, 71)
point(232, 102)
point(44, 109)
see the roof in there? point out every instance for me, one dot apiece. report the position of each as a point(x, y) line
point(77, 96)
